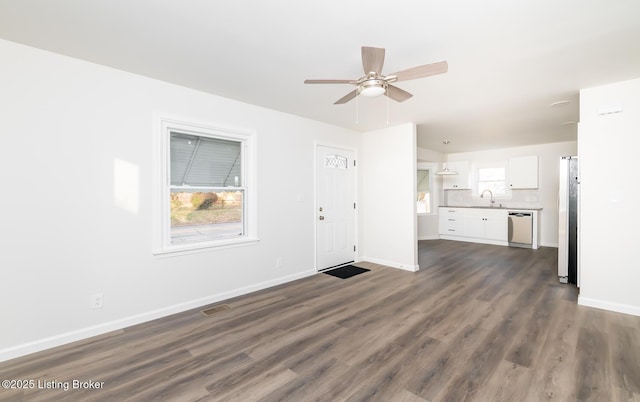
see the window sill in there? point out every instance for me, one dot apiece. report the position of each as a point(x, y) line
point(184, 249)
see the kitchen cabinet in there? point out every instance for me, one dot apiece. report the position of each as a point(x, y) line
point(482, 225)
point(485, 224)
point(451, 221)
point(523, 172)
point(458, 181)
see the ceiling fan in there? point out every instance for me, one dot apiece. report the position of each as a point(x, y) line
point(373, 83)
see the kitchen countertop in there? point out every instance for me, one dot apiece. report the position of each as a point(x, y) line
point(495, 207)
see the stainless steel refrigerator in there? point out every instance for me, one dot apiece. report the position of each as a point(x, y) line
point(568, 221)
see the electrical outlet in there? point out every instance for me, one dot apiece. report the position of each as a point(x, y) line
point(279, 262)
point(97, 301)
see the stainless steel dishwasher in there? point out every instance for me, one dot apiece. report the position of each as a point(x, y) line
point(520, 229)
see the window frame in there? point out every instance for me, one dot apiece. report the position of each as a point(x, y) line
point(165, 125)
point(433, 187)
point(476, 179)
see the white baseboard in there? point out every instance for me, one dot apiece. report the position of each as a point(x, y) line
point(434, 237)
point(605, 305)
point(474, 240)
point(393, 264)
point(84, 333)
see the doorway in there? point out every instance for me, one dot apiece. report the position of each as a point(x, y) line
point(335, 207)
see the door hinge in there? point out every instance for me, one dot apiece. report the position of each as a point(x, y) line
point(354, 248)
point(354, 205)
point(354, 162)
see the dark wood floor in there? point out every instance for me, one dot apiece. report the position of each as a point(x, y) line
point(477, 323)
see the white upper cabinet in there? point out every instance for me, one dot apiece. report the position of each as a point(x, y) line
point(458, 181)
point(523, 172)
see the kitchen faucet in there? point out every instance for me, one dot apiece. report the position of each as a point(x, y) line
point(490, 193)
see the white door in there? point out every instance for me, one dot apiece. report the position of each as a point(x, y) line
point(335, 207)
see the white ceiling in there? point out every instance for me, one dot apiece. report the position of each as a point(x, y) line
point(508, 60)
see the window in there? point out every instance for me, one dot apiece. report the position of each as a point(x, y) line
point(424, 191)
point(206, 199)
point(493, 179)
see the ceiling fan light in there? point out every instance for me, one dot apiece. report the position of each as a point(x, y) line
point(372, 92)
point(372, 88)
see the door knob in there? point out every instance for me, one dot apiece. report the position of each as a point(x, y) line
point(321, 217)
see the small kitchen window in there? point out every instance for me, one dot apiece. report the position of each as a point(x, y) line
point(493, 179)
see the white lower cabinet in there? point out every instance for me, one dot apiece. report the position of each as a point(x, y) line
point(486, 224)
point(451, 221)
point(471, 224)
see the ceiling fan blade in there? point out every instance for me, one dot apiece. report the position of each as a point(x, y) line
point(347, 97)
point(329, 82)
point(372, 59)
point(397, 94)
point(422, 71)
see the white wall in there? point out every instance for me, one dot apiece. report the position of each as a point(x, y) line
point(67, 125)
point(388, 224)
point(609, 220)
point(427, 155)
point(546, 196)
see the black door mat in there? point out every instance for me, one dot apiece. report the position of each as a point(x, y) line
point(346, 272)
